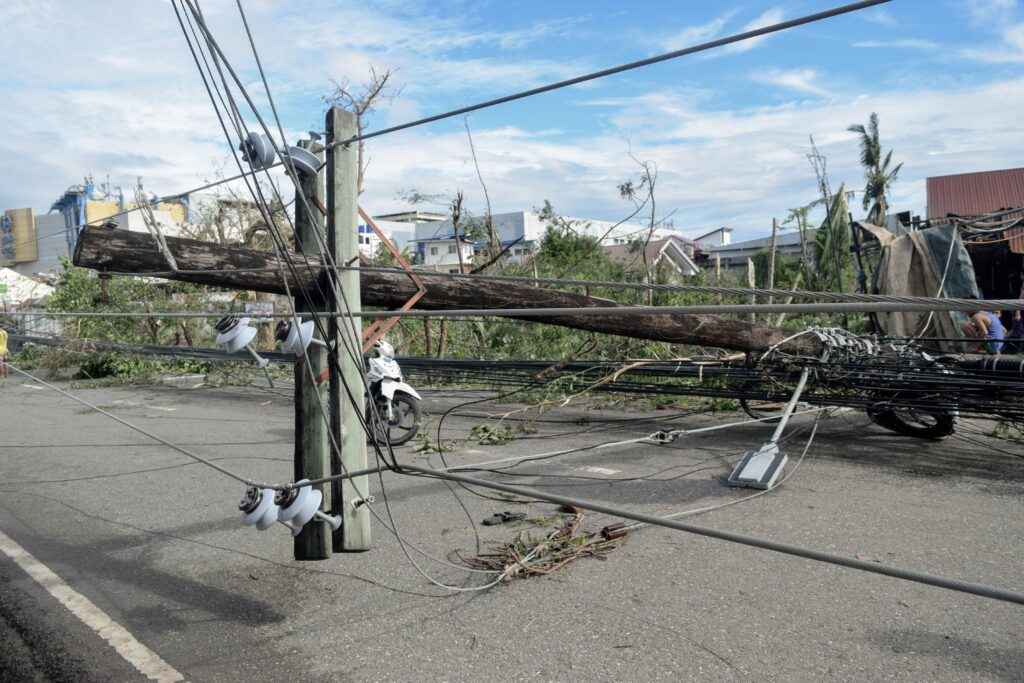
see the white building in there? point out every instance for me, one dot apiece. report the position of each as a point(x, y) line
point(441, 253)
point(399, 232)
point(735, 254)
point(719, 237)
point(526, 229)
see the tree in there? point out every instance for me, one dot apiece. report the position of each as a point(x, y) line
point(226, 216)
point(362, 100)
point(832, 242)
point(877, 173)
point(641, 193)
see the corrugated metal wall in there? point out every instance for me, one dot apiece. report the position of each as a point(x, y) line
point(974, 194)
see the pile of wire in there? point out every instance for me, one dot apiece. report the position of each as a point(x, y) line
point(986, 387)
point(906, 381)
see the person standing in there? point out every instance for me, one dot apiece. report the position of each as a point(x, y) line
point(3, 352)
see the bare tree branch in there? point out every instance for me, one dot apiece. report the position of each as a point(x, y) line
point(492, 236)
point(361, 100)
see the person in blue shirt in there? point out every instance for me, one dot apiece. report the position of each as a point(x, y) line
point(986, 325)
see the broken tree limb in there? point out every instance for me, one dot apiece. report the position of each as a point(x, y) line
point(120, 251)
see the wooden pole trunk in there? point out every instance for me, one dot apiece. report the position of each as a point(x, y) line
point(106, 249)
point(752, 282)
point(312, 442)
point(343, 242)
point(771, 258)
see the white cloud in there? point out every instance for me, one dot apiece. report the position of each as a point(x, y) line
point(904, 43)
point(984, 12)
point(1011, 51)
point(715, 28)
point(693, 35)
point(881, 17)
point(127, 102)
point(734, 167)
point(767, 18)
point(801, 80)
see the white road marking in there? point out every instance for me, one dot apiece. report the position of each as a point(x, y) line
point(163, 408)
point(31, 386)
point(135, 653)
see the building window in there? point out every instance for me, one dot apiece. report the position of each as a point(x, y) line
point(451, 248)
point(433, 251)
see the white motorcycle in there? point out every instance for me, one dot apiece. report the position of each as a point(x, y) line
point(397, 403)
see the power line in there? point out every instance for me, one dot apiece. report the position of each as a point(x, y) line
point(732, 537)
point(739, 37)
point(339, 298)
point(962, 305)
point(774, 28)
point(140, 430)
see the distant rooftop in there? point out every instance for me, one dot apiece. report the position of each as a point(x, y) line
point(783, 239)
point(975, 194)
point(673, 247)
point(412, 217)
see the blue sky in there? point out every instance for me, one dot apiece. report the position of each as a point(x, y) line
point(112, 91)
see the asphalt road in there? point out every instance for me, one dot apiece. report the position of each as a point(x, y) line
point(155, 543)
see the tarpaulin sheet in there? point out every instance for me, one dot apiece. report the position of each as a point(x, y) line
point(913, 265)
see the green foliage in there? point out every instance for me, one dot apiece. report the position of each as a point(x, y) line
point(488, 435)
point(786, 270)
point(134, 368)
point(81, 290)
point(565, 252)
point(878, 173)
point(723, 405)
point(29, 357)
point(425, 445)
point(832, 248)
point(566, 249)
point(385, 259)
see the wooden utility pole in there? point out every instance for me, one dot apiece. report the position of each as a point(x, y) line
point(752, 282)
point(122, 251)
point(312, 442)
point(771, 259)
point(348, 407)
point(718, 275)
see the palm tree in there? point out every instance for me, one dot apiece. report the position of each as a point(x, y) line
point(879, 178)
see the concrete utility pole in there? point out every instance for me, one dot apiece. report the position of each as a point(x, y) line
point(343, 244)
point(312, 443)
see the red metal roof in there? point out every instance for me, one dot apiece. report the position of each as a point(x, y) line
point(973, 194)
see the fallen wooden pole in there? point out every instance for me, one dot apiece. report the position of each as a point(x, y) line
point(106, 249)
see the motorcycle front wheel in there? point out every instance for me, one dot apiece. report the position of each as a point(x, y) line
point(404, 423)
